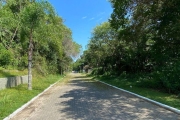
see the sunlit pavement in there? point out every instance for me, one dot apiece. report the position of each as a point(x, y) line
point(84, 99)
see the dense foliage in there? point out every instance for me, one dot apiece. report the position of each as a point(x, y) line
point(140, 37)
point(33, 35)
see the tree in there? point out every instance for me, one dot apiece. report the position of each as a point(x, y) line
point(152, 29)
point(22, 25)
point(31, 17)
point(102, 47)
point(71, 48)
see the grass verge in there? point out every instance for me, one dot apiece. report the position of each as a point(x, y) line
point(12, 73)
point(133, 84)
point(13, 98)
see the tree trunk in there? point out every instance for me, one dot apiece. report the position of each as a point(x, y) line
point(30, 51)
point(61, 71)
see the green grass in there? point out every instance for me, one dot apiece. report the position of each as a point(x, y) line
point(13, 98)
point(11, 73)
point(135, 85)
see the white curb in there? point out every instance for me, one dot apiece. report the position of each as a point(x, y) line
point(29, 102)
point(177, 111)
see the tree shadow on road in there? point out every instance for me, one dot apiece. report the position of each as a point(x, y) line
point(93, 100)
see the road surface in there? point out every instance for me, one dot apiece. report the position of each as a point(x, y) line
point(80, 98)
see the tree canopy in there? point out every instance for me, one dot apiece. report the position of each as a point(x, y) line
point(140, 37)
point(33, 35)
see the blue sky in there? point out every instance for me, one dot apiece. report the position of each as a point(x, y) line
point(81, 16)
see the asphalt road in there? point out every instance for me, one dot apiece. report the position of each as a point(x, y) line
point(80, 98)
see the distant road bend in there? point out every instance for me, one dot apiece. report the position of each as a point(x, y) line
point(80, 98)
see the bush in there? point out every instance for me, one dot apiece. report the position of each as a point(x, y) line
point(97, 71)
point(23, 62)
point(5, 57)
point(40, 65)
point(149, 81)
point(169, 76)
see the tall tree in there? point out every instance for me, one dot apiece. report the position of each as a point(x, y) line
point(30, 29)
point(31, 17)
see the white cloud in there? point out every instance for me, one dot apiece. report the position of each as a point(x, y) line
point(92, 18)
point(99, 19)
point(84, 17)
point(101, 13)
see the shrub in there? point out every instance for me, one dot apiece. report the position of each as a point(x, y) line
point(169, 76)
point(5, 57)
point(23, 62)
point(97, 71)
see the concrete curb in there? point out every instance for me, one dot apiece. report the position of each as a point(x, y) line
point(177, 111)
point(29, 102)
point(9, 82)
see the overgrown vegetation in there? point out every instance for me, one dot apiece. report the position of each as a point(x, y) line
point(141, 37)
point(32, 35)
